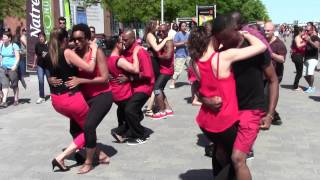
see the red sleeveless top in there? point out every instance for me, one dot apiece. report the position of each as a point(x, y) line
point(120, 92)
point(91, 90)
point(211, 85)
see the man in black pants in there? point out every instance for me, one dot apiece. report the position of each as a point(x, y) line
point(278, 55)
point(142, 85)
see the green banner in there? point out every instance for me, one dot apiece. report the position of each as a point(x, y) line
point(67, 13)
point(47, 15)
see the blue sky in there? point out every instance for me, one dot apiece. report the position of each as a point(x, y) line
point(281, 11)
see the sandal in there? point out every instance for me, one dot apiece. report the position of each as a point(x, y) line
point(148, 113)
point(89, 168)
point(105, 160)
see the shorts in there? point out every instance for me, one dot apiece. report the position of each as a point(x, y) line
point(248, 129)
point(309, 66)
point(9, 78)
point(161, 83)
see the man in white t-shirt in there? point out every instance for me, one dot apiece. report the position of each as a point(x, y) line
point(173, 30)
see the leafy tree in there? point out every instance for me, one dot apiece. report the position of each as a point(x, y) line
point(12, 8)
point(143, 10)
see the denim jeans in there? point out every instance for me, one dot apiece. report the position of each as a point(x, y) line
point(41, 72)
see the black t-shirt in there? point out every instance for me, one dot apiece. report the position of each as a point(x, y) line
point(279, 48)
point(311, 52)
point(63, 71)
point(249, 80)
point(41, 51)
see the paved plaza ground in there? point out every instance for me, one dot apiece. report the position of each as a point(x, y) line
point(31, 135)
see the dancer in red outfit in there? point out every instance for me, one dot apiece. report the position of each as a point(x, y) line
point(142, 85)
point(216, 79)
point(69, 102)
point(96, 90)
point(121, 92)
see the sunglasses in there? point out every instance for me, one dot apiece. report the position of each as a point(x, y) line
point(62, 22)
point(80, 39)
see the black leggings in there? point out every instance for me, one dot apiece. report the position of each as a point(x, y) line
point(99, 107)
point(160, 83)
point(297, 59)
point(223, 140)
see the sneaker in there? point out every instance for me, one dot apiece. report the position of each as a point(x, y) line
point(136, 141)
point(250, 156)
point(310, 90)
point(159, 115)
point(40, 100)
point(169, 112)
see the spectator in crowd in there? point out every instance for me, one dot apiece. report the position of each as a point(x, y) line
point(9, 69)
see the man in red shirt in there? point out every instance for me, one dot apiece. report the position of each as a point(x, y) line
point(166, 57)
point(142, 85)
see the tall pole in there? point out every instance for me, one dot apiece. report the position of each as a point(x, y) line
point(162, 12)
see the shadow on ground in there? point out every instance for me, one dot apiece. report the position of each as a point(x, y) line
point(315, 98)
point(180, 84)
point(188, 99)
point(195, 174)
point(202, 140)
point(10, 100)
point(290, 86)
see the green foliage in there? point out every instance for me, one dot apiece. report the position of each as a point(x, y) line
point(144, 10)
point(12, 8)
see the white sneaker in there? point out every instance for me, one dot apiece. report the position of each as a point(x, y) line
point(40, 100)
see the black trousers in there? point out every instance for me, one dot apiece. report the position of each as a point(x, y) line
point(123, 127)
point(223, 140)
point(99, 107)
point(297, 59)
point(134, 115)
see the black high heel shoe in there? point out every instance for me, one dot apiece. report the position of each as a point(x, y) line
point(55, 163)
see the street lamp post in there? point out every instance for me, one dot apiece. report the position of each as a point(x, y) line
point(162, 12)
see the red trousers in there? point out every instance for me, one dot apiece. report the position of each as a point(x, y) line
point(74, 107)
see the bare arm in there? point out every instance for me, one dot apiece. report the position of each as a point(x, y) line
point(237, 54)
point(103, 69)
point(151, 40)
point(271, 76)
point(299, 42)
point(315, 44)
point(17, 56)
point(130, 67)
point(180, 44)
point(74, 59)
point(23, 40)
point(278, 57)
point(168, 53)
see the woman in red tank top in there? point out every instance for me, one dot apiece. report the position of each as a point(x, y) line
point(218, 86)
point(122, 91)
point(97, 92)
